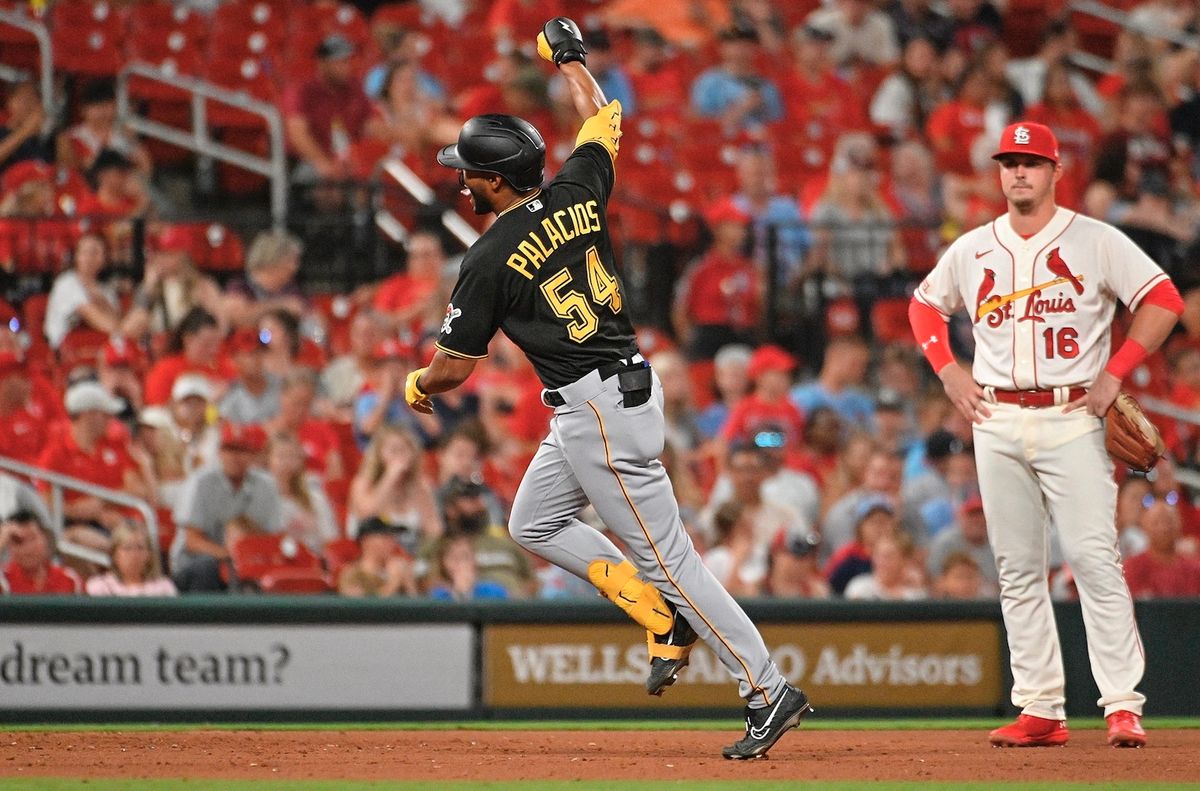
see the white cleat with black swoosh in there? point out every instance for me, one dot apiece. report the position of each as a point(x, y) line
point(765, 726)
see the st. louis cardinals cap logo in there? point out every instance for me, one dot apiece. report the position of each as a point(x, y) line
point(452, 313)
point(1021, 136)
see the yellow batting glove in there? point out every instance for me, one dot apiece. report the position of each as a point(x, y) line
point(543, 48)
point(417, 399)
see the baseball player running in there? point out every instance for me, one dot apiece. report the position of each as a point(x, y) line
point(544, 274)
point(1040, 284)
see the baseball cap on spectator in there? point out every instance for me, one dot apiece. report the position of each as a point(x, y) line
point(392, 349)
point(155, 417)
point(799, 544)
point(243, 436)
point(725, 210)
point(1025, 137)
point(108, 159)
point(98, 91)
point(374, 526)
point(815, 33)
point(173, 239)
point(458, 487)
point(334, 47)
point(22, 173)
point(941, 444)
point(871, 504)
point(770, 358)
point(247, 339)
point(191, 386)
point(87, 396)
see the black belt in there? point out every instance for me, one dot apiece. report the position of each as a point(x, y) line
point(634, 382)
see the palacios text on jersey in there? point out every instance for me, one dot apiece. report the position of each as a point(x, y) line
point(534, 250)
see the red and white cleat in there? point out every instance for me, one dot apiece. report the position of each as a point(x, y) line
point(1030, 731)
point(1125, 729)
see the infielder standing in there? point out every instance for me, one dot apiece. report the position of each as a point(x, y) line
point(544, 274)
point(1040, 284)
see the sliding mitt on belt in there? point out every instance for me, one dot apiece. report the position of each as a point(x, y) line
point(640, 600)
point(1130, 437)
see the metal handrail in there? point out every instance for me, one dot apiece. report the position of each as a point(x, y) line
point(1121, 18)
point(58, 482)
point(199, 140)
point(45, 55)
point(403, 175)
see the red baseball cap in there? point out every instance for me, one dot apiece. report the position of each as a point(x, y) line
point(243, 436)
point(725, 210)
point(1025, 137)
point(246, 339)
point(770, 358)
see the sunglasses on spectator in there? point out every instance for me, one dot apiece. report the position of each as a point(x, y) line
point(1171, 498)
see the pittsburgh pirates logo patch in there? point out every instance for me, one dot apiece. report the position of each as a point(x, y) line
point(452, 313)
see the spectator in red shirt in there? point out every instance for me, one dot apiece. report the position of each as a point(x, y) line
point(195, 348)
point(659, 85)
point(818, 101)
point(31, 570)
point(118, 196)
point(719, 298)
point(1183, 437)
point(768, 404)
point(322, 450)
point(406, 297)
point(1160, 571)
point(325, 115)
point(87, 451)
point(1078, 133)
point(97, 130)
point(25, 422)
point(955, 124)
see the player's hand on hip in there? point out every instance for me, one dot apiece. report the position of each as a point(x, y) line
point(964, 392)
point(1100, 395)
point(561, 42)
point(414, 396)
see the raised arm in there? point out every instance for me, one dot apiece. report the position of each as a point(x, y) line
point(561, 43)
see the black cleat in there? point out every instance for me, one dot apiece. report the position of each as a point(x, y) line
point(764, 726)
point(669, 653)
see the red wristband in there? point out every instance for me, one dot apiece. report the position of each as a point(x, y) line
point(1129, 356)
point(929, 328)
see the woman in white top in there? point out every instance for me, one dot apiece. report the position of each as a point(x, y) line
point(738, 561)
point(78, 298)
point(892, 576)
point(135, 570)
point(307, 514)
point(390, 485)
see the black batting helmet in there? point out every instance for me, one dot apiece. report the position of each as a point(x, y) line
point(502, 144)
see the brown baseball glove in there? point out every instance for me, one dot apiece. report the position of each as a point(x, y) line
point(1130, 437)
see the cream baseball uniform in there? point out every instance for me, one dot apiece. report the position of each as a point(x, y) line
point(1042, 310)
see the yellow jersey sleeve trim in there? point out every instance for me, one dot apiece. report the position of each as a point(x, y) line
point(459, 355)
point(604, 128)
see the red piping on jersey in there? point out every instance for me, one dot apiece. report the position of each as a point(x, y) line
point(1033, 325)
point(1013, 285)
point(658, 557)
point(1134, 300)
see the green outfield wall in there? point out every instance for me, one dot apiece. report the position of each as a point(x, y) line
point(322, 658)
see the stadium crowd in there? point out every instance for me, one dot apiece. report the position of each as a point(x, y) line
point(796, 152)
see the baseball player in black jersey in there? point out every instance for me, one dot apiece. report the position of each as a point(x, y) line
point(544, 274)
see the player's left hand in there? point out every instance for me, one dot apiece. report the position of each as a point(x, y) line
point(1100, 395)
point(561, 42)
point(414, 396)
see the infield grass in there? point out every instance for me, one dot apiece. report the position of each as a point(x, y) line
point(33, 784)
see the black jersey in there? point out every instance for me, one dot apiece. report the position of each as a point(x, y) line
point(544, 274)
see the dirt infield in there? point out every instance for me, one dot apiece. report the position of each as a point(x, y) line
point(1173, 755)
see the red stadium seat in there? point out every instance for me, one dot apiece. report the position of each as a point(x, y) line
point(338, 553)
point(239, 73)
point(255, 555)
point(889, 321)
point(80, 347)
point(87, 37)
point(291, 580)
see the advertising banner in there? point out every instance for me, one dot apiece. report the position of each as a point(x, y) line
point(935, 664)
point(404, 666)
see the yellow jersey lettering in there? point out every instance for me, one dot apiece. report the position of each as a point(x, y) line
point(519, 263)
point(532, 253)
point(541, 245)
point(591, 211)
point(556, 238)
point(566, 235)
